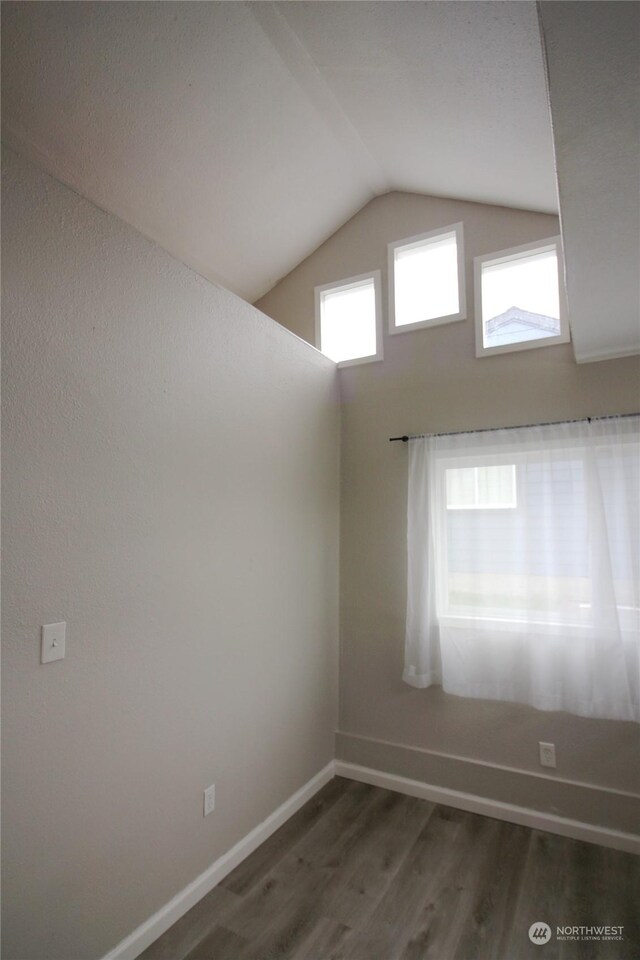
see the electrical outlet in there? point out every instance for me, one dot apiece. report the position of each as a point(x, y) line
point(209, 799)
point(547, 754)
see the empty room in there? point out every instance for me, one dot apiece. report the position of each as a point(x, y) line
point(321, 480)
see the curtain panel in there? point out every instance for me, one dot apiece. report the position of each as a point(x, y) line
point(523, 566)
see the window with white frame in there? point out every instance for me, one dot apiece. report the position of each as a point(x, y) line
point(426, 280)
point(519, 300)
point(538, 604)
point(348, 319)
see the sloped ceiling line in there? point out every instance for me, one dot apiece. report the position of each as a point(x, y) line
point(241, 136)
point(306, 74)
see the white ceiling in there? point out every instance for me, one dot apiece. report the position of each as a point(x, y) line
point(240, 136)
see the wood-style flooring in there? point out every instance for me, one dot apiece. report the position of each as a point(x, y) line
point(361, 873)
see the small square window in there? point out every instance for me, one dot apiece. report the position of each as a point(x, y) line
point(348, 319)
point(519, 301)
point(426, 280)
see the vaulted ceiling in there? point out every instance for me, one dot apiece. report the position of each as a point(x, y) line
point(239, 136)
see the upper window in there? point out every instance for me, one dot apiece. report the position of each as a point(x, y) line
point(519, 301)
point(348, 319)
point(426, 280)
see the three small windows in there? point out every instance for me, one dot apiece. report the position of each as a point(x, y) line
point(519, 302)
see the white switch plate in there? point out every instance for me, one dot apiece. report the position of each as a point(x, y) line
point(209, 799)
point(547, 754)
point(54, 637)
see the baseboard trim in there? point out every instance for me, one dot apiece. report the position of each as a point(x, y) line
point(538, 820)
point(133, 945)
point(155, 926)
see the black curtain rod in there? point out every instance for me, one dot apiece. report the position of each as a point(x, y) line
point(549, 423)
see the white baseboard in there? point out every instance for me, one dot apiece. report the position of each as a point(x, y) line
point(155, 926)
point(536, 819)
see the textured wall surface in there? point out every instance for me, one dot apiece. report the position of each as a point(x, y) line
point(431, 380)
point(171, 491)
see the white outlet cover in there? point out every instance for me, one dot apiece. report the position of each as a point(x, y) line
point(547, 754)
point(54, 637)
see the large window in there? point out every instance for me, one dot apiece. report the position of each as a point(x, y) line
point(348, 319)
point(524, 552)
point(426, 280)
point(519, 301)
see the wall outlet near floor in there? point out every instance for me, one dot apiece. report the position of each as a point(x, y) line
point(547, 754)
point(209, 799)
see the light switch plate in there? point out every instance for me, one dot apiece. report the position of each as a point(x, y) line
point(54, 637)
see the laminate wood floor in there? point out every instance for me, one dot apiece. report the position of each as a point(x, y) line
point(361, 873)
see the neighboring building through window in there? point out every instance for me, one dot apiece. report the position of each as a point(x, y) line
point(426, 280)
point(348, 319)
point(519, 302)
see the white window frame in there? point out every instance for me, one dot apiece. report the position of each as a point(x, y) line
point(348, 282)
point(515, 253)
point(422, 239)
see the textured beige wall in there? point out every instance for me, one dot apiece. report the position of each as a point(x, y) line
point(171, 491)
point(430, 380)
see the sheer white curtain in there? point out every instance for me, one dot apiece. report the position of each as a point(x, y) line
point(524, 572)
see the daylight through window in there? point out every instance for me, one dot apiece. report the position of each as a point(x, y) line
point(519, 298)
point(540, 603)
point(347, 320)
point(425, 280)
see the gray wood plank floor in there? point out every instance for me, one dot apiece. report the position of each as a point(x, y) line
point(361, 873)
